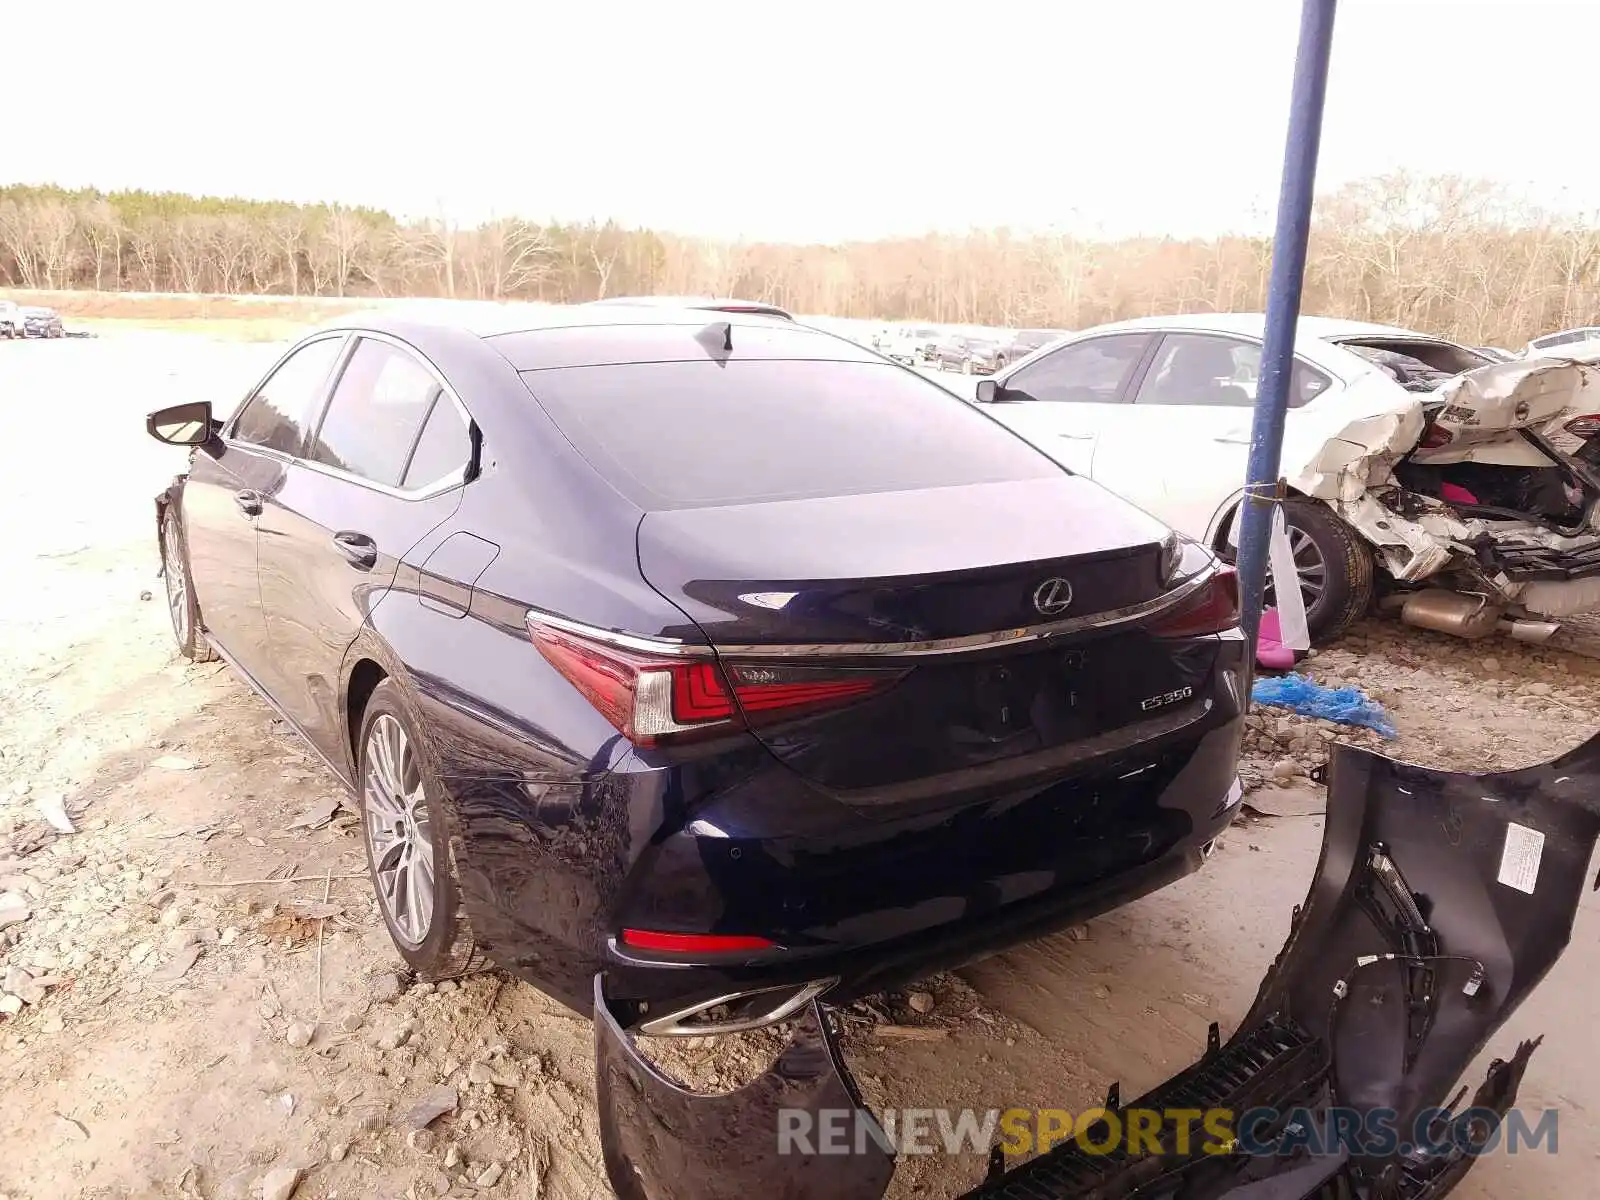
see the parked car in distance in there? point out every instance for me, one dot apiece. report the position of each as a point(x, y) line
point(911, 345)
point(10, 319)
point(1401, 449)
point(967, 353)
point(41, 323)
point(698, 678)
point(1024, 342)
point(699, 302)
point(1562, 342)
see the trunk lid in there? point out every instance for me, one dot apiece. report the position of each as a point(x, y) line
point(949, 585)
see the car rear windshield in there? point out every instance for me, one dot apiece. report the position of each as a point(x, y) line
point(702, 434)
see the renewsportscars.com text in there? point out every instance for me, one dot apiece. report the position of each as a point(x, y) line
point(1183, 1131)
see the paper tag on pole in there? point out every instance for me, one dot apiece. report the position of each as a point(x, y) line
point(1288, 598)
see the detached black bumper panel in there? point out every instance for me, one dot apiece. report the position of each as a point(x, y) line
point(1440, 901)
point(661, 1142)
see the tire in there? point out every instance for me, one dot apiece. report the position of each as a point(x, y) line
point(406, 828)
point(182, 608)
point(1347, 575)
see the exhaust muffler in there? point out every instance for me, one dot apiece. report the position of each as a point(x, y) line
point(1466, 616)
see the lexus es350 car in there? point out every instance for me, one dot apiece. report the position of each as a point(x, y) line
point(702, 663)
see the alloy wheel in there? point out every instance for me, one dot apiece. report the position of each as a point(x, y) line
point(1309, 565)
point(399, 833)
point(177, 583)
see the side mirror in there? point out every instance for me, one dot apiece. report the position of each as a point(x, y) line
point(182, 424)
point(986, 392)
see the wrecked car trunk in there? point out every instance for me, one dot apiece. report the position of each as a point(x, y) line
point(1487, 485)
point(1440, 901)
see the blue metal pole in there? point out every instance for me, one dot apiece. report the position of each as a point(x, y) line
point(1283, 299)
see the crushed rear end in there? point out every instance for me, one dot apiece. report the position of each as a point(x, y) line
point(1440, 901)
point(1488, 487)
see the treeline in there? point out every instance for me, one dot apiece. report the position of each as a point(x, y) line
point(1450, 256)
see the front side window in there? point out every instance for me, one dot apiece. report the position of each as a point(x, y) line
point(377, 411)
point(1088, 372)
point(1205, 370)
point(277, 415)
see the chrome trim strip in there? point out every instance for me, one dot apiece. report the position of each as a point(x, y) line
point(671, 1024)
point(951, 645)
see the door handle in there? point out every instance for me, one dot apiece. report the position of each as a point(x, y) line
point(249, 503)
point(1233, 439)
point(361, 550)
point(1077, 437)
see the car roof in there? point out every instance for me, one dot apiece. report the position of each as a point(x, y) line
point(466, 335)
point(700, 302)
point(1254, 325)
point(488, 319)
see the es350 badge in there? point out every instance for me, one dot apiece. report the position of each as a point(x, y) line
point(1165, 698)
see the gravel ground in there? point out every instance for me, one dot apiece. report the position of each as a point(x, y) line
point(201, 1001)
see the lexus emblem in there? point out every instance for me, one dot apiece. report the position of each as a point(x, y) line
point(1053, 597)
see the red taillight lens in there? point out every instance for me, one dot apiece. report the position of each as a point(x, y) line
point(1212, 609)
point(653, 699)
point(693, 943)
point(763, 689)
point(1436, 438)
point(1585, 426)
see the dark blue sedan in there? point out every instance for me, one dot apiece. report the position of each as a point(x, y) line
point(700, 660)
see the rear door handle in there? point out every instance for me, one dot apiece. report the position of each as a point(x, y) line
point(1077, 437)
point(1233, 439)
point(249, 503)
point(361, 550)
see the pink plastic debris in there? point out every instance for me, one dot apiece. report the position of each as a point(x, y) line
point(1454, 493)
point(1270, 651)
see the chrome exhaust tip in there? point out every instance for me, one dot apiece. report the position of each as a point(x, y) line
point(737, 1012)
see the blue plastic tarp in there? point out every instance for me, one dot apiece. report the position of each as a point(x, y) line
point(1344, 705)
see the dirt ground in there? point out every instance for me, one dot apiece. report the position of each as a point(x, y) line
point(206, 1002)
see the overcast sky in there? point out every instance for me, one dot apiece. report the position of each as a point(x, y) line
point(827, 120)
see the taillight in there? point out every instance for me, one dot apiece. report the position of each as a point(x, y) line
point(1212, 609)
point(1436, 438)
point(655, 699)
point(1585, 426)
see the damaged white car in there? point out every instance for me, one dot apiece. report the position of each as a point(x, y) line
point(1461, 488)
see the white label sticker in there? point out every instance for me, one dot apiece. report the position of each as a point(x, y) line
point(1519, 861)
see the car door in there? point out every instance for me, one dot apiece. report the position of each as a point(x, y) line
point(1180, 451)
point(383, 467)
point(1059, 401)
point(227, 487)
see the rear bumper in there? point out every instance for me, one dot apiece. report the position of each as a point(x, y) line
point(874, 902)
point(1416, 942)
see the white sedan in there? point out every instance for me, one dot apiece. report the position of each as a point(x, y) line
point(1414, 455)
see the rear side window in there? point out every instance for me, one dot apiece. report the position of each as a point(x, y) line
point(277, 415)
point(377, 410)
point(444, 448)
point(1207, 370)
point(699, 434)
